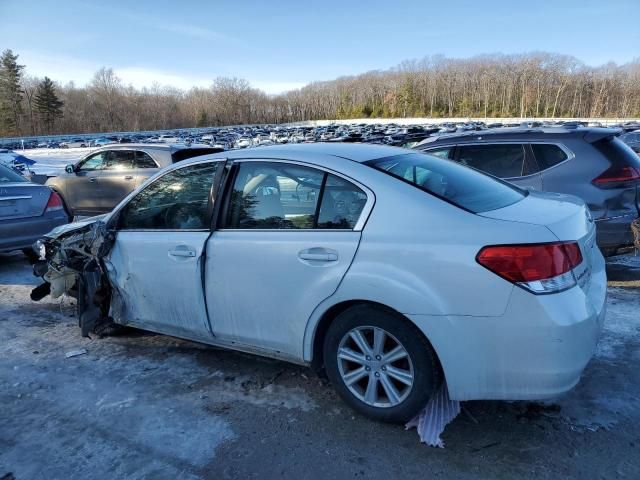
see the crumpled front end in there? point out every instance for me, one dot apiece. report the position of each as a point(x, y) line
point(71, 264)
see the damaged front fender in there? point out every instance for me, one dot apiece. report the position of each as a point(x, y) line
point(71, 263)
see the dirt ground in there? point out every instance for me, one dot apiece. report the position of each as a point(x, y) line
point(152, 406)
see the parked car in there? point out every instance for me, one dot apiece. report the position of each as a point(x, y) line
point(632, 139)
point(27, 211)
point(105, 176)
point(101, 142)
point(75, 143)
point(390, 269)
point(591, 163)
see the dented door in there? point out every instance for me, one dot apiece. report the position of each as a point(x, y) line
point(156, 261)
point(158, 277)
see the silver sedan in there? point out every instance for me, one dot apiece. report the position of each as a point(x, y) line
point(27, 211)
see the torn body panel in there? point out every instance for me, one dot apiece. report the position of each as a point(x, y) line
point(71, 259)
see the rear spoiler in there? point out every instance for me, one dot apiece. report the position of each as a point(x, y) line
point(596, 134)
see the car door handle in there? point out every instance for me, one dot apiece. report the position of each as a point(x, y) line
point(128, 177)
point(92, 179)
point(318, 255)
point(182, 253)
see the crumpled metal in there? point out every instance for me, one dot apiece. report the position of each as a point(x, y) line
point(433, 419)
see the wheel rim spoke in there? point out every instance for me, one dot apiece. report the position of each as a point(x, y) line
point(345, 353)
point(378, 341)
point(392, 392)
point(371, 394)
point(403, 376)
point(361, 342)
point(354, 376)
point(394, 355)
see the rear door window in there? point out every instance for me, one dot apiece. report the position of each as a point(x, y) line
point(143, 160)
point(342, 204)
point(118, 160)
point(282, 196)
point(500, 160)
point(464, 187)
point(547, 154)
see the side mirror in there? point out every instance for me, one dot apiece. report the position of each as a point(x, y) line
point(69, 169)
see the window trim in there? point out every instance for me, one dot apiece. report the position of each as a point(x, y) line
point(114, 220)
point(570, 155)
point(532, 158)
point(136, 150)
point(358, 227)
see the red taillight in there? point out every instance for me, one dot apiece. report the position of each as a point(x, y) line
point(616, 175)
point(54, 203)
point(530, 263)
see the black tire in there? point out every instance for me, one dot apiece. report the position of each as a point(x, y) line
point(427, 374)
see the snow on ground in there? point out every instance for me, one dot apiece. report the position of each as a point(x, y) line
point(53, 160)
point(143, 405)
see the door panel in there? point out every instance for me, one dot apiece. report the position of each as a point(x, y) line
point(159, 278)
point(262, 286)
point(117, 178)
point(81, 192)
point(155, 264)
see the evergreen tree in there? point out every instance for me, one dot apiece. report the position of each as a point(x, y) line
point(203, 119)
point(48, 105)
point(10, 92)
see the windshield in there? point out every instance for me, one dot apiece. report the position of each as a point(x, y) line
point(462, 186)
point(9, 176)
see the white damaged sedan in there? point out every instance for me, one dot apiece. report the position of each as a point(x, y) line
point(390, 270)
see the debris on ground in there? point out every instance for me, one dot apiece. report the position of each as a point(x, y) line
point(75, 353)
point(438, 413)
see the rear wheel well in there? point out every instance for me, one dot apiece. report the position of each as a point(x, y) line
point(317, 360)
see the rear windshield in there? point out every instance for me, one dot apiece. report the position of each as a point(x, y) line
point(618, 152)
point(462, 186)
point(187, 153)
point(9, 176)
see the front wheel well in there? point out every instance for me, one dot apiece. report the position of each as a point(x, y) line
point(317, 360)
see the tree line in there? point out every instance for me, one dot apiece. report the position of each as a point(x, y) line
point(527, 85)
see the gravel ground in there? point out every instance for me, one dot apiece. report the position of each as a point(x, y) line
point(152, 406)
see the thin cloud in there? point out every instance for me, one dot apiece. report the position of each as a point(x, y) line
point(162, 23)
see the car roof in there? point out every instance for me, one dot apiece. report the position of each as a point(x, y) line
point(145, 146)
point(357, 152)
point(510, 133)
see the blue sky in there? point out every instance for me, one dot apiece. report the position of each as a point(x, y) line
point(280, 45)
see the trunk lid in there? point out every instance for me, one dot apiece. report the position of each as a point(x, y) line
point(22, 200)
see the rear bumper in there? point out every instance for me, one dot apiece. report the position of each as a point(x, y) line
point(536, 350)
point(614, 233)
point(22, 232)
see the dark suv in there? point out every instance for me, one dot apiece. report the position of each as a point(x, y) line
point(591, 163)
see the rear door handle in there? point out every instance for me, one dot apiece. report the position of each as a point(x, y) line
point(182, 253)
point(128, 177)
point(92, 179)
point(318, 255)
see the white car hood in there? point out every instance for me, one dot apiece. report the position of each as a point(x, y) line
point(70, 227)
